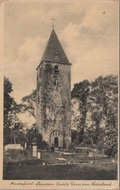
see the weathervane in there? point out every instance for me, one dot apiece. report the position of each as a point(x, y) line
point(53, 22)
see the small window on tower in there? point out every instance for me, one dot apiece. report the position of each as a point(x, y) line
point(56, 82)
point(56, 75)
point(56, 70)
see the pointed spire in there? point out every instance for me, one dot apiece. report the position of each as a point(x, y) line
point(53, 22)
point(54, 52)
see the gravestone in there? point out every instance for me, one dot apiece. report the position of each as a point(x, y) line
point(90, 154)
point(34, 151)
point(39, 155)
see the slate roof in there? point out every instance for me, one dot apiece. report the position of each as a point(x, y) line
point(54, 52)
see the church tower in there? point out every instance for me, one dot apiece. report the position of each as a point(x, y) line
point(53, 117)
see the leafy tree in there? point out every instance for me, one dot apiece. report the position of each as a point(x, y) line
point(17, 135)
point(74, 136)
point(9, 102)
point(9, 105)
point(81, 92)
point(33, 136)
point(12, 124)
point(28, 103)
point(98, 112)
point(96, 116)
point(111, 141)
point(105, 92)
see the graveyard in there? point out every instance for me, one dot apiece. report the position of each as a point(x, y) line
point(58, 165)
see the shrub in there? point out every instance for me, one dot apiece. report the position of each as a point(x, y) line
point(71, 147)
point(43, 145)
point(100, 145)
point(110, 142)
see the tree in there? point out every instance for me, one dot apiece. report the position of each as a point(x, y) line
point(33, 136)
point(28, 103)
point(74, 136)
point(81, 92)
point(96, 116)
point(12, 124)
point(105, 94)
point(111, 141)
point(9, 105)
point(98, 107)
point(17, 134)
point(103, 101)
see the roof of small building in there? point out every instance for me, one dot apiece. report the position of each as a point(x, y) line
point(54, 52)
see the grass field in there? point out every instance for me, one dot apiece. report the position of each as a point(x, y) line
point(83, 168)
point(36, 171)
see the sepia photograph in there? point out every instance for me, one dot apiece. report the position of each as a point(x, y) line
point(60, 94)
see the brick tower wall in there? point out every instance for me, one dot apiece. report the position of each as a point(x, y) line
point(53, 103)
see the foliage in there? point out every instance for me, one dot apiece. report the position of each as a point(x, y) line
point(12, 124)
point(17, 133)
point(71, 147)
point(111, 142)
point(98, 112)
point(81, 92)
point(28, 103)
point(74, 136)
point(33, 136)
point(9, 102)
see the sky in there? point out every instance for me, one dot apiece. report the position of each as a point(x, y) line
point(87, 30)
